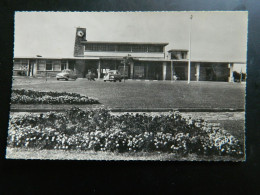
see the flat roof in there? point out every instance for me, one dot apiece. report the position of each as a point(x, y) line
point(57, 58)
point(178, 50)
point(135, 58)
point(126, 43)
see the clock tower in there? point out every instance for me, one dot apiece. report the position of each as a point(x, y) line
point(79, 47)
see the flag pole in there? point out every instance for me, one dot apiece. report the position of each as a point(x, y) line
point(189, 50)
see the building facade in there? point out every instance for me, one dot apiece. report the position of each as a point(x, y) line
point(135, 60)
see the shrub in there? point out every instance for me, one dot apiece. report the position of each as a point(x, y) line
point(99, 130)
point(22, 96)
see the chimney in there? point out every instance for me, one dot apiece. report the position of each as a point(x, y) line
point(79, 47)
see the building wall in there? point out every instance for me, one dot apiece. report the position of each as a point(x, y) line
point(152, 70)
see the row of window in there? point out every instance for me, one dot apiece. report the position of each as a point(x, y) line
point(179, 55)
point(42, 65)
point(55, 65)
point(123, 48)
point(20, 64)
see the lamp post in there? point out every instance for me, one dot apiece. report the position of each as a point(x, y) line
point(189, 50)
point(124, 69)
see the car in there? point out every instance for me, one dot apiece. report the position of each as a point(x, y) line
point(112, 75)
point(66, 74)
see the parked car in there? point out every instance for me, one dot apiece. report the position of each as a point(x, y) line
point(112, 75)
point(66, 74)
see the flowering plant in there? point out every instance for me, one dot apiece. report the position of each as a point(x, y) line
point(22, 96)
point(100, 130)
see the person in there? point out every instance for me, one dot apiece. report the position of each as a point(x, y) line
point(91, 76)
point(174, 77)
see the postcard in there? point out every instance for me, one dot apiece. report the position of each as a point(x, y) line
point(149, 86)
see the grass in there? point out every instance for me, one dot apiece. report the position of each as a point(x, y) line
point(14, 153)
point(141, 94)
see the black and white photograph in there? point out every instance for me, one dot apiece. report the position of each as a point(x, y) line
point(129, 86)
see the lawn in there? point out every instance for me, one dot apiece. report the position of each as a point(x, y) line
point(143, 95)
point(146, 94)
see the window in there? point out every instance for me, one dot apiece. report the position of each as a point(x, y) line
point(184, 55)
point(41, 65)
point(100, 47)
point(125, 48)
point(174, 56)
point(153, 48)
point(48, 65)
point(17, 65)
point(95, 47)
point(111, 48)
point(56, 65)
point(20, 64)
point(63, 65)
point(139, 48)
point(89, 47)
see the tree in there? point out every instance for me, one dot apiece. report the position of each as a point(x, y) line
point(126, 60)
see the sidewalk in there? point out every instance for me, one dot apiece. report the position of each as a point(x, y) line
point(63, 107)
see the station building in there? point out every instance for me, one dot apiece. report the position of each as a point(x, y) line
point(146, 60)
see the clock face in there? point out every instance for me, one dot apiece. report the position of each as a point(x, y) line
point(80, 33)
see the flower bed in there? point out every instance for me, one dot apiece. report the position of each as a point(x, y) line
point(100, 131)
point(22, 96)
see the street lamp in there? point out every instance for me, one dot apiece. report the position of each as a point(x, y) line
point(124, 69)
point(189, 50)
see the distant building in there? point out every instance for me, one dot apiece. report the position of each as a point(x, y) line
point(146, 60)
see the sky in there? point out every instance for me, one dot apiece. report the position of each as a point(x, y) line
point(215, 36)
